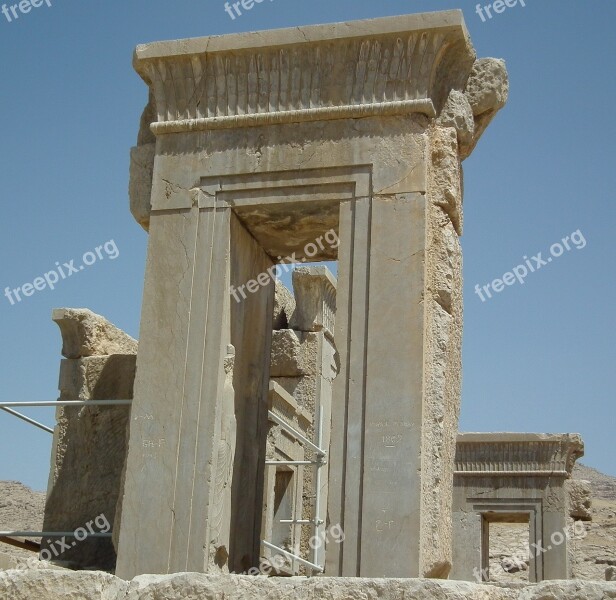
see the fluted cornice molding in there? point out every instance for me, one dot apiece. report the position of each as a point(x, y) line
point(517, 454)
point(390, 66)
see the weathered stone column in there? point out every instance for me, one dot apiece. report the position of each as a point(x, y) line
point(263, 143)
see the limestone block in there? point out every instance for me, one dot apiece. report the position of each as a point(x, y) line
point(140, 183)
point(191, 586)
point(55, 584)
point(487, 88)
point(458, 113)
point(284, 306)
point(487, 91)
point(85, 333)
point(443, 340)
point(286, 354)
point(610, 574)
point(579, 498)
point(568, 590)
point(89, 451)
point(293, 354)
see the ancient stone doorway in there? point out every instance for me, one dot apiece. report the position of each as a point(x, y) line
point(505, 551)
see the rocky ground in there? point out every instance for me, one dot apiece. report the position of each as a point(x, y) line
point(592, 554)
point(20, 509)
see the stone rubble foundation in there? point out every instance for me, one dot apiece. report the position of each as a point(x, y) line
point(96, 585)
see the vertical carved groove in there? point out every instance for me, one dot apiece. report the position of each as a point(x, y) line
point(354, 72)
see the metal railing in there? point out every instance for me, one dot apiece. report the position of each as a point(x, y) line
point(6, 407)
point(8, 536)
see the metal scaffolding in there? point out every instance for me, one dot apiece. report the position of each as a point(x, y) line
point(318, 463)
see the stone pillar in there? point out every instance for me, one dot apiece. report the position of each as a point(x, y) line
point(263, 143)
point(172, 504)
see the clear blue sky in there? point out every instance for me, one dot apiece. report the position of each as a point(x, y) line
point(537, 357)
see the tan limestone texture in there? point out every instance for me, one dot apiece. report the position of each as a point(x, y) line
point(284, 306)
point(443, 339)
point(89, 446)
point(83, 585)
point(85, 333)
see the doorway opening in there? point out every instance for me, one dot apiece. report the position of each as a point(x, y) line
point(505, 552)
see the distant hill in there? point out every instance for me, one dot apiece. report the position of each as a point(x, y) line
point(603, 486)
point(20, 509)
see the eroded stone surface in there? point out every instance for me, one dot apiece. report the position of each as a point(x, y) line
point(284, 306)
point(54, 584)
point(488, 86)
point(286, 354)
point(51, 585)
point(140, 183)
point(579, 497)
point(85, 333)
point(487, 91)
point(315, 291)
point(458, 113)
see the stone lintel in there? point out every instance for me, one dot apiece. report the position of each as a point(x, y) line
point(378, 67)
point(447, 20)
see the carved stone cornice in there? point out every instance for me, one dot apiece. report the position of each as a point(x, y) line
point(390, 66)
point(517, 454)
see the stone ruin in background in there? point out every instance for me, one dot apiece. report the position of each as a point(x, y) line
point(252, 147)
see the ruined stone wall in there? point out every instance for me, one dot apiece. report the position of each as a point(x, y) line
point(89, 446)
